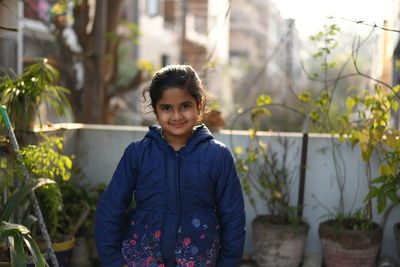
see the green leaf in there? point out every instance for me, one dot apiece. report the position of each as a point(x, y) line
point(8, 229)
point(350, 102)
point(37, 256)
point(238, 150)
point(373, 192)
point(378, 180)
point(29, 221)
point(20, 196)
point(263, 100)
point(395, 105)
point(385, 170)
point(304, 97)
point(381, 202)
point(17, 251)
point(252, 132)
point(391, 194)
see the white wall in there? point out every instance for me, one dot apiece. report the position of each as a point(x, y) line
point(98, 149)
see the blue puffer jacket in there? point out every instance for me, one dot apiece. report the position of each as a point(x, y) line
point(189, 205)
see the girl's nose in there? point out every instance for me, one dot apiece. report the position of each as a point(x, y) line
point(177, 115)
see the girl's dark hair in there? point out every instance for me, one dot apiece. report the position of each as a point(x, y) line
point(179, 76)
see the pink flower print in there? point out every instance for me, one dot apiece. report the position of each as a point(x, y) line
point(208, 261)
point(133, 223)
point(146, 226)
point(187, 241)
point(157, 234)
point(160, 265)
point(202, 236)
point(217, 227)
point(190, 264)
point(149, 260)
point(135, 236)
point(133, 242)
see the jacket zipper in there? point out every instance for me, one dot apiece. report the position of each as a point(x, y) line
point(177, 184)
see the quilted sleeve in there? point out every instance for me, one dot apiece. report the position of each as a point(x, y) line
point(230, 207)
point(111, 210)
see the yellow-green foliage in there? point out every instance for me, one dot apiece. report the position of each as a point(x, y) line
point(372, 132)
point(46, 160)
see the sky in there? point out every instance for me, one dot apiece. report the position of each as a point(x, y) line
point(310, 15)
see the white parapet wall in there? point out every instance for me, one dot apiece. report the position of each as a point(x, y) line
point(98, 149)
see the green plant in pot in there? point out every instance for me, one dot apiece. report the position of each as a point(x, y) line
point(278, 237)
point(368, 125)
point(352, 238)
point(16, 238)
point(47, 159)
point(24, 94)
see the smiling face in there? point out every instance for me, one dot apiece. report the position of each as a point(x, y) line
point(177, 112)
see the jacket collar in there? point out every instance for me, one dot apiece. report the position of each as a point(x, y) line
point(200, 135)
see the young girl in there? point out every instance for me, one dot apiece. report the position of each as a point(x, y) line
point(189, 202)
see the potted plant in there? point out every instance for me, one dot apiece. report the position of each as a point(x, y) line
point(17, 237)
point(354, 238)
point(47, 159)
point(368, 125)
point(24, 94)
point(279, 236)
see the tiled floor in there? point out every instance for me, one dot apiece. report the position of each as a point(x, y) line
point(310, 260)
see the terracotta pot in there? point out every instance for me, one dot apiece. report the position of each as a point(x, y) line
point(278, 244)
point(349, 248)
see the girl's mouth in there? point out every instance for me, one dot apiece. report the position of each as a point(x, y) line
point(178, 125)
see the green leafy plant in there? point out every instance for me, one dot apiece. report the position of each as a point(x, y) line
point(24, 94)
point(263, 174)
point(17, 237)
point(367, 124)
point(47, 160)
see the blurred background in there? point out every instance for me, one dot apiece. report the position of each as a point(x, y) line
point(106, 52)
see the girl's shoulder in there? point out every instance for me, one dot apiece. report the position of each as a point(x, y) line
point(218, 149)
point(138, 146)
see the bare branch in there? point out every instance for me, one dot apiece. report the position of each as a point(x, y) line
point(8, 28)
point(134, 83)
point(371, 25)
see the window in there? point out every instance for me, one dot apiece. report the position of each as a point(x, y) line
point(153, 7)
point(164, 60)
point(8, 55)
point(169, 11)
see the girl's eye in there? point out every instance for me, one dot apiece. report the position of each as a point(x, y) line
point(165, 108)
point(186, 105)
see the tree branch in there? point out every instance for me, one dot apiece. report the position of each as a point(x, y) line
point(8, 28)
point(134, 83)
point(368, 24)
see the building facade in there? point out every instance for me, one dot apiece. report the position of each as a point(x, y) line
point(264, 53)
point(387, 62)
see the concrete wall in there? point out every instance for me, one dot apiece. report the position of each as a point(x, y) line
point(98, 149)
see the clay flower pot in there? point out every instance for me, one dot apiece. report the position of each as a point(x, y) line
point(349, 248)
point(278, 244)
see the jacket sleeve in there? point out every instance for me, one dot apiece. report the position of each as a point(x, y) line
point(111, 210)
point(230, 208)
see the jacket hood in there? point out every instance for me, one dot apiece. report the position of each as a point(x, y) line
point(200, 134)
